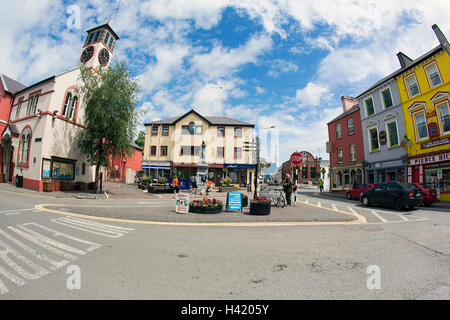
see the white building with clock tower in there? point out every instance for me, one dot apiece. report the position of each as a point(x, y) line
point(45, 117)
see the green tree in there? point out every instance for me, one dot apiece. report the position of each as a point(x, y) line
point(140, 140)
point(109, 98)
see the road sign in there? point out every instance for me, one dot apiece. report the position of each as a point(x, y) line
point(296, 158)
point(182, 204)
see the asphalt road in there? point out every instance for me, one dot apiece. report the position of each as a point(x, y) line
point(41, 253)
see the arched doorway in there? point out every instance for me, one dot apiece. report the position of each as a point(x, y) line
point(7, 159)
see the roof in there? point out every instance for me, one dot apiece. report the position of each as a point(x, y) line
point(36, 84)
point(11, 85)
point(134, 145)
point(107, 26)
point(351, 110)
point(212, 120)
point(401, 70)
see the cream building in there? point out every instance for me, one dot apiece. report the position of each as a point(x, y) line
point(173, 145)
point(46, 116)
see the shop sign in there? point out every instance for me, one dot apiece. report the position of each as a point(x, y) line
point(234, 201)
point(439, 174)
point(431, 159)
point(383, 139)
point(182, 205)
point(434, 143)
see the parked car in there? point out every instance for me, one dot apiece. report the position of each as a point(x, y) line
point(396, 194)
point(356, 191)
point(428, 193)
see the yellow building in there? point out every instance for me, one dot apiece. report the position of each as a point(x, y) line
point(424, 88)
point(172, 146)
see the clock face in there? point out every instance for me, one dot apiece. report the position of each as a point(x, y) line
point(87, 54)
point(103, 56)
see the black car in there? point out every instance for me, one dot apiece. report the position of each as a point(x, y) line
point(396, 194)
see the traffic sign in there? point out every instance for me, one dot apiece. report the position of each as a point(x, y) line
point(296, 158)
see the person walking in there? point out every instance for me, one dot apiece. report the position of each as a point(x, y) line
point(176, 188)
point(194, 184)
point(321, 185)
point(287, 187)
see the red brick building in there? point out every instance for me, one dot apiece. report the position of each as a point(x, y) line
point(119, 165)
point(346, 147)
point(8, 87)
point(308, 170)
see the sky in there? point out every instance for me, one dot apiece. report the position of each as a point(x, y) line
point(282, 63)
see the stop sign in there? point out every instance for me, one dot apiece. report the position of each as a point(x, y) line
point(296, 158)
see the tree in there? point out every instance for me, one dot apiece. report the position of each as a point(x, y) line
point(140, 140)
point(109, 97)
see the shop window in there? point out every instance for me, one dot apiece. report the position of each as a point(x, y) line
point(346, 177)
point(350, 126)
point(444, 117)
point(434, 78)
point(373, 134)
point(338, 131)
point(413, 87)
point(393, 134)
point(387, 98)
point(421, 125)
point(369, 106)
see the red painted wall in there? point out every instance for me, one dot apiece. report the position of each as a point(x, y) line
point(133, 162)
point(346, 140)
point(5, 109)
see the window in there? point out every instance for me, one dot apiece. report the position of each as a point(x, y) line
point(97, 35)
point(393, 134)
point(154, 130)
point(387, 98)
point(165, 130)
point(91, 36)
point(24, 148)
point(163, 150)
point(73, 107)
point(153, 150)
point(373, 135)
point(111, 42)
point(238, 132)
point(353, 152)
point(444, 117)
point(340, 155)
point(412, 86)
point(198, 129)
point(338, 131)
point(19, 106)
point(184, 129)
point(83, 168)
point(237, 153)
point(350, 126)
point(221, 131)
point(433, 75)
point(190, 150)
point(220, 152)
point(70, 105)
point(106, 38)
point(32, 104)
point(191, 128)
point(67, 104)
point(421, 125)
point(369, 107)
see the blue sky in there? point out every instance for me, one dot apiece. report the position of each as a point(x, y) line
point(283, 63)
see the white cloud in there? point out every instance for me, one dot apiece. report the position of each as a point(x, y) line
point(312, 94)
point(280, 66)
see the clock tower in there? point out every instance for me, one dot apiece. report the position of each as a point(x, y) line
point(98, 47)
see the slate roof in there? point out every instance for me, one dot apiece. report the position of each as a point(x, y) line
point(11, 85)
point(351, 110)
point(213, 120)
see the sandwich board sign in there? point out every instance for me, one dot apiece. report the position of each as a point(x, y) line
point(234, 201)
point(182, 204)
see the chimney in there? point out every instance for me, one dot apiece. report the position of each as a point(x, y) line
point(441, 37)
point(348, 102)
point(403, 59)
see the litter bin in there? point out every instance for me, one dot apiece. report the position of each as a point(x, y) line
point(19, 181)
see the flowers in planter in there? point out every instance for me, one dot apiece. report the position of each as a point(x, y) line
point(225, 181)
point(162, 180)
point(261, 200)
point(206, 203)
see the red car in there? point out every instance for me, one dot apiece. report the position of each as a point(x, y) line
point(429, 194)
point(356, 191)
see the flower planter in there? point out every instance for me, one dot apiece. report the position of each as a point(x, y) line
point(205, 210)
point(47, 187)
point(261, 209)
point(244, 202)
point(91, 186)
point(227, 189)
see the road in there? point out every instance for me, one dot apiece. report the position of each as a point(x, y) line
point(42, 253)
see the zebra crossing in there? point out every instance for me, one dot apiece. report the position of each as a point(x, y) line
point(373, 215)
point(31, 250)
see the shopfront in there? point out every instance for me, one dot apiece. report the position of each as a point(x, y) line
point(385, 171)
point(157, 169)
point(342, 177)
point(432, 169)
point(240, 174)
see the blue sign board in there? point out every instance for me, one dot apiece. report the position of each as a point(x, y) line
point(234, 201)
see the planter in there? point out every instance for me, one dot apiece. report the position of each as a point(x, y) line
point(227, 189)
point(261, 209)
point(244, 202)
point(47, 187)
point(80, 186)
point(91, 186)
point(160, 189)
point(64, 186)
point(1, 178)
point(205, 210)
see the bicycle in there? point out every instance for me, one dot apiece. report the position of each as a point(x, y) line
point(280, 200)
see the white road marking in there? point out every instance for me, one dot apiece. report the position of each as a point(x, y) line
point(92, 227)
point(11, 277)
point(334, 206)
point(403, 217)
point(378, 216)
point(12, 213)
point(353, 211)
point(17, 210)
point(319, 204)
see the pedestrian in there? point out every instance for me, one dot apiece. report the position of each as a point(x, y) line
point(287, 187)
point(176, 188)
point(210, 186)
point(321, 185)
point(294, 189)
point(194, 184)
